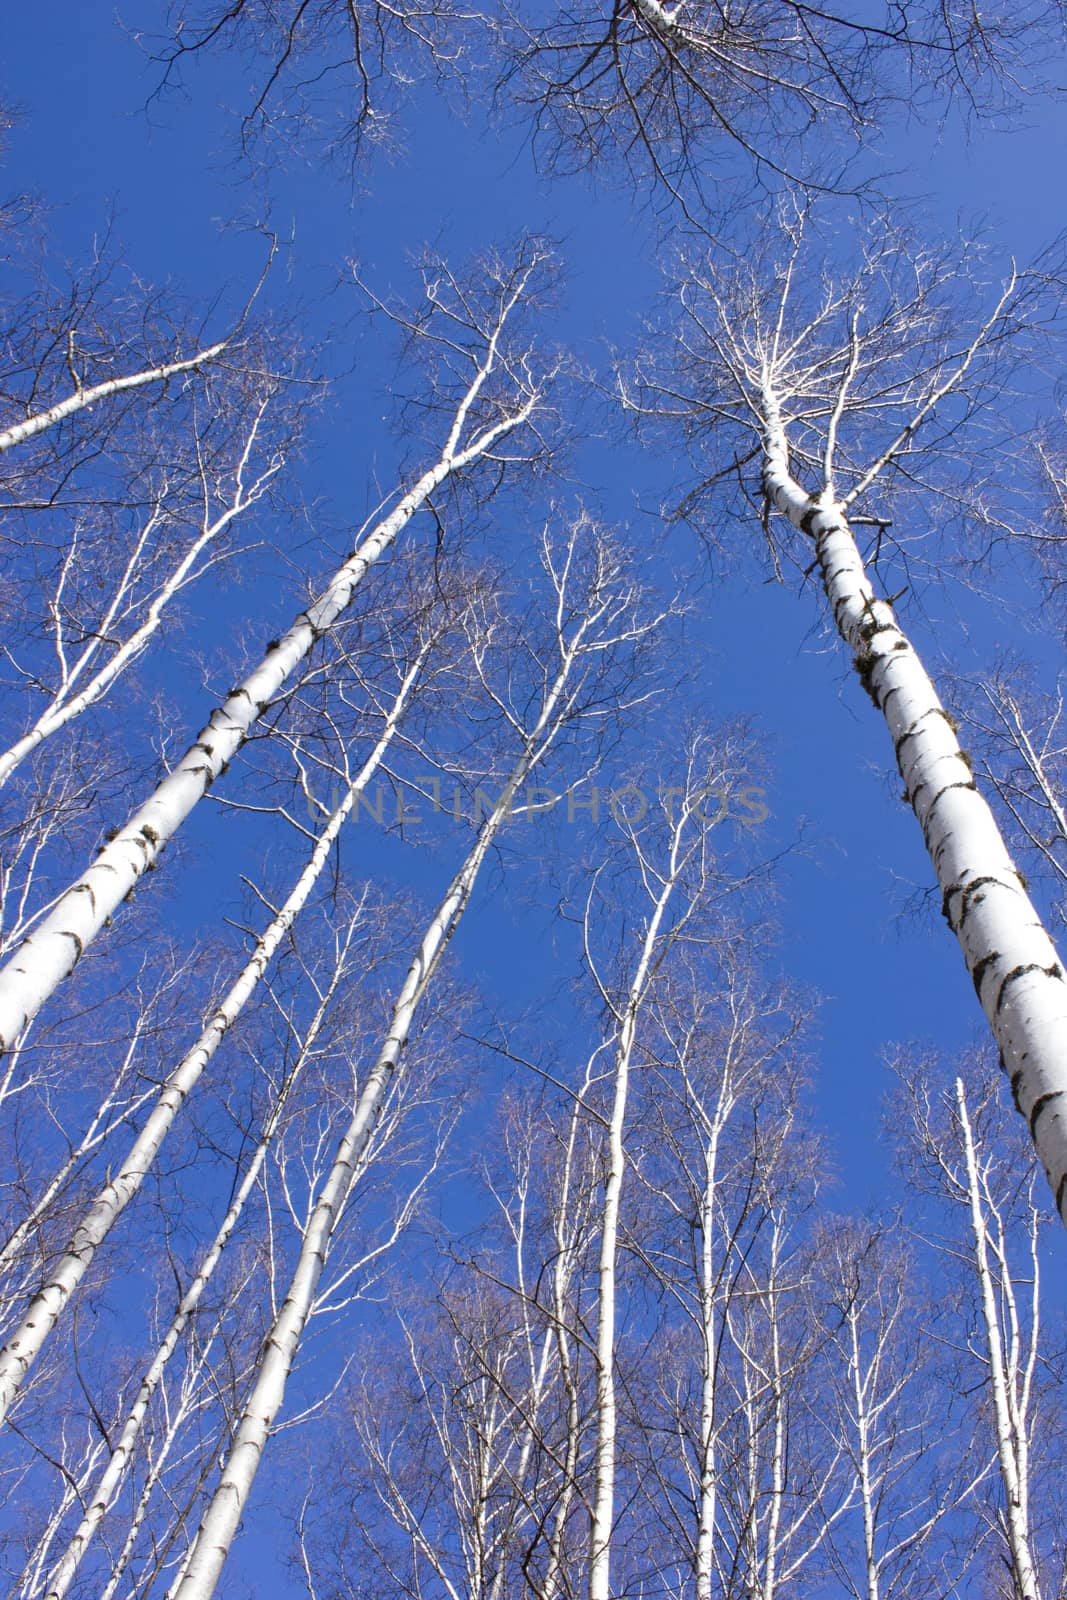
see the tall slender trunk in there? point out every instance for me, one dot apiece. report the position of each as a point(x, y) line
point(1013, 963)
point(707, 1504)
point(50, 953)
point(120, 1459)
point(564, 1232)
point(25, 1345)
point(777, 1388)
point(867, 1493)
point(603, 1510)
point(223, 1514)
point(1011, 1439)
point(604, 1464)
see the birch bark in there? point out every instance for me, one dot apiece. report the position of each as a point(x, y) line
point(1009, 1380)
point(28, 1340)
point(1014, 966)
point(52, 950)
point(559, 703)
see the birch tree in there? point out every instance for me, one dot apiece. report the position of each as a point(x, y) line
point(906, 1464)
point(988, 1217)
point(722, 1055)
point(78, 356)
point(95, 1224)
point(840, 387)
point(668, 90)
point(675, 861)
point(111, 587)
point(594, 616)
point(307, 1095)
point(109, 517)
point(453, 1451)
point(468, 1453)
point(161, 1396)
point(490, 390)
point(51, 1149)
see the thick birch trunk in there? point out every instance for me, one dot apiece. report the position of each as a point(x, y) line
point(1013, 963)
point(223, 1515)
point(29, 1339)
point(1011, 1441)
point(50, 953)
point(19, 432)
point(657, 16)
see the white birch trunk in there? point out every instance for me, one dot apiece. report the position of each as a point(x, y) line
point(50, 953)
point(657, 16)
point(102, 1496)
point(223, 1515)
point(777, 1388)
point(19, 432)
point(603, 1507)
point(1013, 963)
point(863, 1449)
point(565, 1233)
point(603, 1510)
point(1012, 1444)
point(707, 1503)
point(25, 1345)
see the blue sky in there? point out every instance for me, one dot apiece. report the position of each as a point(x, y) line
point(90, 146)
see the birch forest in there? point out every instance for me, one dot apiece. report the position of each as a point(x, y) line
point(533, 800)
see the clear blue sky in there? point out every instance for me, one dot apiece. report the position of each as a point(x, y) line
point(89, 147)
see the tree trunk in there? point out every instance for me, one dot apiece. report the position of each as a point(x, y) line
point(1010, 1438)
point(1013, 963)
point(51, 952)
point(25, 1345)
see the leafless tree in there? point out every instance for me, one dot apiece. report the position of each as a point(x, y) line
point(841, 383)
point(489, 391)
point(906, 1467)
point(562, 676)
point(988, 1217)
point(721, 1055)
point(675, 859)
point(668, 90)
point(128, 1175)
point(341, 65)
